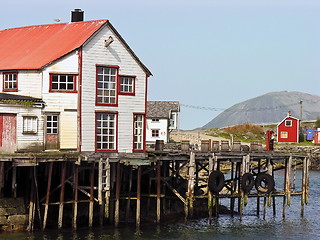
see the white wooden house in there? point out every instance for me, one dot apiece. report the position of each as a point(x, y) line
point(85, 87)
point(162, 118)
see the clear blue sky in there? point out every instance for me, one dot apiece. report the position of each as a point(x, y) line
point(211, 53)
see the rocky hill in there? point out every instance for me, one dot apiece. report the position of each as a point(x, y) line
point(269, 108)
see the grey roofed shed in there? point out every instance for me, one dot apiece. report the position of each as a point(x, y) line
point(162, 109)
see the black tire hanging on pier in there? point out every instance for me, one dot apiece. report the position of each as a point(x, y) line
point(264, 183)
point(216, 182)
point(247, 182)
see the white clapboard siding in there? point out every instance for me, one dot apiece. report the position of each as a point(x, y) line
point(65, 104)
point(95, 53)
point(29, 83)
point(26, 141)
point(68, 130)
point(162, 126)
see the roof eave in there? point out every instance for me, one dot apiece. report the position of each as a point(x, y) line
point(145, 69)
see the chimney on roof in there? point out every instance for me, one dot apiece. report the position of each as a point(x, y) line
point(77, 15)
point(289, 113)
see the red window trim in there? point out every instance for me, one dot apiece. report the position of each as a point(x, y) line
point(63, 91)
point(95, 136)
point(9, 90)
point(144, 134)
point(134, 85)
point(117, 82)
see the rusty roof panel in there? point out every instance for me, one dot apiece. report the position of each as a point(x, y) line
point(34, 47)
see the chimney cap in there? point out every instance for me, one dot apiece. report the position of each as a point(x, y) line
point(77, 15)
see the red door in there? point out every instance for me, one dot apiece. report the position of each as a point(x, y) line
point(8, 132)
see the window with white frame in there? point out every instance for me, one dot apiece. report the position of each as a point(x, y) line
point(30, 124)
point(52, 124)
point(10, 82)
point(127, 84)
point(62, 82)
point(106, 126)
point(138, 132)
point(155, 132)
point(284, 134)
point(155, 120)
point(288, 123)
point(173, 120)
point(106, 85)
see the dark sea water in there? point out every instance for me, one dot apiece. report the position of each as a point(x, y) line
point(293, 226)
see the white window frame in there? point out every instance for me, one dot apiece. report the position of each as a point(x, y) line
point(284, 134)
point(288, 123)
point(138, 134)
point(155, 120)
point(106, 135)
point(52, 124)
point(173, 120)
point(30, 125)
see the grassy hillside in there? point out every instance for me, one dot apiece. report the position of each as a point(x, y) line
point(250, 132)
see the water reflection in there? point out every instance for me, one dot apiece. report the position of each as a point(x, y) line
point(249, 226)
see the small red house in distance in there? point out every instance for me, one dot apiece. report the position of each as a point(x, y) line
point(288, 130)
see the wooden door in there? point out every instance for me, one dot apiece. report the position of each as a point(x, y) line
point(52, 132)
point(8, 132)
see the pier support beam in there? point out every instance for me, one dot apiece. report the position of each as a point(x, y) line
point(117, 203)
point(1, 178)
point(75, 189)
point(158, 191)
point(91, 195)
point(47, 196)
point(138, 212)
point(61, 203)
point(190, 193)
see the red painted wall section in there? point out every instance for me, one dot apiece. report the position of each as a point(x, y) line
point(292, 131)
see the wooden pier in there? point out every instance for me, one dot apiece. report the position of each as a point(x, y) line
point(70, 189)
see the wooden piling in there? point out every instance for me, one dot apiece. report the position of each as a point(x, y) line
point(233, 186)
point(303, 186)
point(100, 192)
point(158, 191)
point(288, 181)
point(210, 196)
point(31, 204)
point(258, 198)
point(91, 202)
point(75, 193)
point(14, 182)
point(285, 188)
point(46, 207)
point(138, 212)
point(106, 188)
point(129, 194)
point(61, 203)
point(117, 203)
point(2, 174)
point(190, 193)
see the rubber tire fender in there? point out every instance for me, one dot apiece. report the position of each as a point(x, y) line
point(264, 183)
point(247, 182)
point(216, 182)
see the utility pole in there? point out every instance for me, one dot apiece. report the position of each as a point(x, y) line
point(300, 110)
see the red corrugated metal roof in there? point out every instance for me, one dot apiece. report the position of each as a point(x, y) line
point(33, 47)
